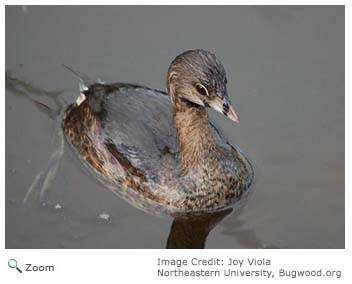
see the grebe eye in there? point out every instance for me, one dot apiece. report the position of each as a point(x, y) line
point(202, 90)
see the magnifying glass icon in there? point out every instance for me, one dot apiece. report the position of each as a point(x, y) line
point(12, 263)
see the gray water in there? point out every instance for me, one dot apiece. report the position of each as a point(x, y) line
point(285, 68)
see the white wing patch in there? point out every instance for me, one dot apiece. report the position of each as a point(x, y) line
point(81, 98)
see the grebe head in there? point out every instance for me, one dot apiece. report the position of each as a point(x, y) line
point(198, 79)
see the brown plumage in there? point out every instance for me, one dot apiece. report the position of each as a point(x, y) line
point(159, 151)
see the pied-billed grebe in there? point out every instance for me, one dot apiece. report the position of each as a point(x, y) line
point(147, 145)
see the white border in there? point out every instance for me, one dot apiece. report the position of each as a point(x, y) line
point(139, 265)
point(181, 2)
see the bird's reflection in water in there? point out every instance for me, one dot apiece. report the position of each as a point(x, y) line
point(191, 231)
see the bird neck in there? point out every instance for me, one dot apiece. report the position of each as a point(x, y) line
point(196, 140)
